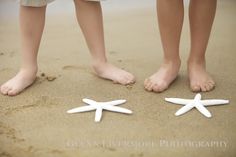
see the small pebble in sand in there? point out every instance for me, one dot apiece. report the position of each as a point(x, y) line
point(129, 86)
point(51, 78)
point(42, 74)
point(1, 53)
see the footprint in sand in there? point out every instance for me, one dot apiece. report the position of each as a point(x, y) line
point(42, 101)
point(9, 132)
point(74, 67)
point(137, 155)
point(11, 53)
point(5, 69)
point(119, 60)
point(113, 52)
point(56, 151)
point(5, 154)
point(111, 149)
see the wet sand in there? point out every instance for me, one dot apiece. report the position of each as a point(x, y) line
point(35, 123)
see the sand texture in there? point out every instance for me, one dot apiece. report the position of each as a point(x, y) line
point(35, 123)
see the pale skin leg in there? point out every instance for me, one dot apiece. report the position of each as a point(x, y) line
point(170, 18)
point(32, 21)
point(89, 16)
point(201, 15)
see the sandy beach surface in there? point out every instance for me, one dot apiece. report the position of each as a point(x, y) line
point(35, 123)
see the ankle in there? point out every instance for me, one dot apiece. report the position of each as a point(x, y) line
point(175, 61)
point(196, 60)
point(30, 71)
point(196, 63)
point(96, 63)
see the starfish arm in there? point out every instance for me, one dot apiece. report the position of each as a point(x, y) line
point(178, 101)
point(115, 102)
point(198, 97)
point(202, 109)
point(117, 109)
point(98, 114)
point(184, 109)
point(213, 102)
point(81, 109)
point(89, 101)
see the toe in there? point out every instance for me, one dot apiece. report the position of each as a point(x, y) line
point(195, 88)
point(5, 89)
point(127, 79)
point(150, 86)
point(212, 83)
point(203, 88)
point(146, 81)
point(12, 92)
point(163, 87)
point(156, 88)
point(130, 79)
point(123, 81)
point(2, 88)
point(208, 87)
point(211, 86)
point(147, 84)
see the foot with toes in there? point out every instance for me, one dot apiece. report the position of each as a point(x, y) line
point(199, 79)
point(162, 79)
point(17, 84)
point(108, 71)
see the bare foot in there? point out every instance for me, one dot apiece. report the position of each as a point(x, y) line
point(17, 84)
point(110, 72)
point(161, 80)
point(199, 79)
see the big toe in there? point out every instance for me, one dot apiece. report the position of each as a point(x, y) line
point(5, 89)
point(2, 88)
point(12, 92)
point(156, 88)
point(130, 79)
point(195, 88)
point(124, 80)
point(160, 87)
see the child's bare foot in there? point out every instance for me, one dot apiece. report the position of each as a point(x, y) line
point(110, 72)
point(17, 84)
point(200, 80)
point(161, 80)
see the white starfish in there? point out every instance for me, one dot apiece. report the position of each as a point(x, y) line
point(196, 102)
point(99, 106)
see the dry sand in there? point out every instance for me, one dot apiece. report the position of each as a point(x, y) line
point(35, 123)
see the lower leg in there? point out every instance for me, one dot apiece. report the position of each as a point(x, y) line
point(89, 16)
point(31, 27)
point(201, 16)
point(170, 18)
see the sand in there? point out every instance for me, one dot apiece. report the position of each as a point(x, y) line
point(35, 123)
